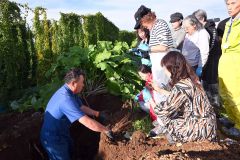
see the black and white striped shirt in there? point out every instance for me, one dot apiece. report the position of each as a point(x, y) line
point(160, 34)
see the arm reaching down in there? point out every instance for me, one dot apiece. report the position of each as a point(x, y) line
point(96, 126)
point(89, 111)
point(92, 124)
point(160, 90)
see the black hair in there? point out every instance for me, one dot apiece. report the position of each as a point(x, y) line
point(73, 74)
point(144, 69)
point(145, 54)
point(147, 34)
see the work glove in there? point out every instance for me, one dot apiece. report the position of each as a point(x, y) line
point(133, 50)
point(146, 95)
point(146, 62)
point(199, 71)
point(136, 51)
point(110, 136)
point(143, 47)
point(136, 98)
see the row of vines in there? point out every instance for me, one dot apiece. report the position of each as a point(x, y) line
point(33, 59)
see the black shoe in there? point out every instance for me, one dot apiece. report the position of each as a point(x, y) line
point(157, 131)
point(231, 132)
point(225, 122)
point(152, 134)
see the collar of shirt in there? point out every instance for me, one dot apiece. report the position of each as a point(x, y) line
point(68, 89)
point(236, 17)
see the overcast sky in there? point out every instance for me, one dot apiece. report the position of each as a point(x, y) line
point(121, 12)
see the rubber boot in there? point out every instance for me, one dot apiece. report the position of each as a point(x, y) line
point(212, 92)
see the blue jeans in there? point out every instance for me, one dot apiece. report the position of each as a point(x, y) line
point(57, 147)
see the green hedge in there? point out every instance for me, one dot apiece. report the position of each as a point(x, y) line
point(98, 28)
point(14, 54)
point(126, 36)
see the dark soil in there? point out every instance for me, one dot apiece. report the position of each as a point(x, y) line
point(19, 140)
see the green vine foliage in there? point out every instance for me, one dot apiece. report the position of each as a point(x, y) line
point(54, 30)
point(38, 31)
point(98, 28)
point(46, 37)
point(33, 56)
point(42, 35)
point(89, 29)
point(126, 36)
point(14, 55)
point(106, 30)
point(71, 32)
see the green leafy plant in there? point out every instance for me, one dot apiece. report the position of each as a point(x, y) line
point(144, 124)
point(118, 67)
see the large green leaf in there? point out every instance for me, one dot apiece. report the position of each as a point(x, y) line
point(113, 64)
point(102, 56)
point(113, 87)
point(126, 60)
point(102, 65)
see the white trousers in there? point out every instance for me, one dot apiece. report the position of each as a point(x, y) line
point(159, 76)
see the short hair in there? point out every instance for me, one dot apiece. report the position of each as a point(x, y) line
point(148, 18)
point(192, 20)
point(73, 74)
point(146, 31)
point(200, 14)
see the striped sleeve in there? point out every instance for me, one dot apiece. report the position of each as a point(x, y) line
point(171, 106)
point(161, 35)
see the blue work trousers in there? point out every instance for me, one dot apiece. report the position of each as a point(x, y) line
point(57, 147)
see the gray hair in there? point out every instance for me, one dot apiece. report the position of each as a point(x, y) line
point(73, 74)
point(192, 20)
point(200, 15)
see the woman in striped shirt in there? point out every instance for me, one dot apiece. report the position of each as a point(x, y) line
point(160, 42)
